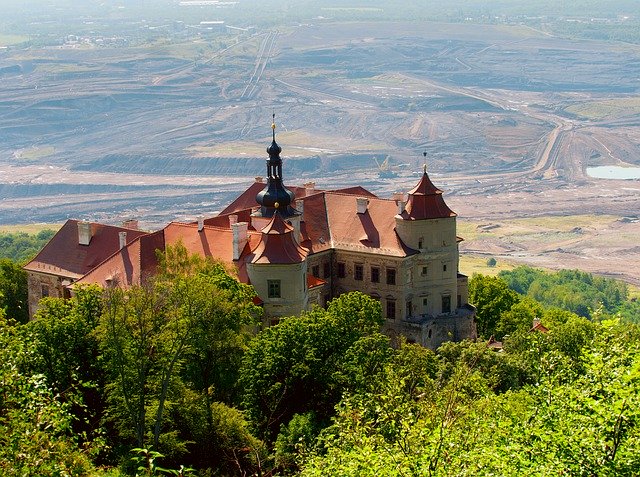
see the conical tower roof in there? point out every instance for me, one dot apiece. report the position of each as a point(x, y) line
point(426, 202)
point(277, 244)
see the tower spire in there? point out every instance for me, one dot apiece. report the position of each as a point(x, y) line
point(275, 195)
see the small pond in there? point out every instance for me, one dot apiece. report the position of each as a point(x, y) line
point(614, 172)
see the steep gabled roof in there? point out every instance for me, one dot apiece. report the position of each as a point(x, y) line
point(315, 231)
point(64, 256)
point(370, 232)
point(131, 265)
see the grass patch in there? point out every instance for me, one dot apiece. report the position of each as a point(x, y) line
point(606, 109)
point(31, 229)
point(67, 68)
point(36, 152)
point(7, 40)
point(470, 264)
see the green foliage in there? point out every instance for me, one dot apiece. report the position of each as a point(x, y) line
point(65, 352)
point(186, 329)
point(572, 290)
point(13, 290)
point(147, 466)
point(492, 262)
point(219, 436)
point(580, 426)
point(35, 426)
point(21, 247)
point(297, 438)
point(491, 296)
point(299, 365)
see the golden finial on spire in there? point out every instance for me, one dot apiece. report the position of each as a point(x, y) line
point(276, 205)
point(424, 165)
point(273, 123)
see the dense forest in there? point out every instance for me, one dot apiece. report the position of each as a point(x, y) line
point(21, 247)
point(177, 378)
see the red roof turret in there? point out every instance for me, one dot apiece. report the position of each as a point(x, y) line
point(426, 202)
point(278, 245)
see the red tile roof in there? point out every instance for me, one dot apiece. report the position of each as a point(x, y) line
point(129, 266)
point(64, 256)
point(426, 202)
point(537, 326)
point(277, 244)
point(371, 232)
point(247, 200)
point(314, 281)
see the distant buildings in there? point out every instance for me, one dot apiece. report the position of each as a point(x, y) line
point(298, 247)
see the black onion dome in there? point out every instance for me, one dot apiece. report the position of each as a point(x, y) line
point(274, 149)
point(275, 192)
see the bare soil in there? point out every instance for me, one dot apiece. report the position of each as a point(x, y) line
point(509, 118)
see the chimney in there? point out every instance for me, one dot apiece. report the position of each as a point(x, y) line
point(123, 239)
point(233, 219)
point(239, 238)
point(362, 203)
point(300, 208)
point(84, 233)
point(401, 205)
point(259, 179)
point(309, 187)
point(130, 224)
point(200, 223)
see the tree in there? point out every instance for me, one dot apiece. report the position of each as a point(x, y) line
point(491, 296)
point(65, 352)
point(35, 426)
point(299, 365)
point(13, 291)
point(173, 331)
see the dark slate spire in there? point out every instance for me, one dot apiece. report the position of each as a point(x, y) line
point(275, 192)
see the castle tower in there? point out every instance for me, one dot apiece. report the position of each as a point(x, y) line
point(276, 192)
point(277, 269)
point(425, 223)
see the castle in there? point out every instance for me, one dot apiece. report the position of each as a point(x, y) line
point(298, 247)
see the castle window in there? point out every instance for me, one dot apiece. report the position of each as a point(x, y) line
point(44, 291)
point(358, 272)
point(375, 275)
point(424, 271)
point(326, 270)
point(391, 309)
point(315, 271)
point(409, 309)
point(444, 267)
point(273, 287)
point(420, 243)
point(391, 276)
point(425, 303)
point(446, 304)
point(459, 301)
point(341, 270)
